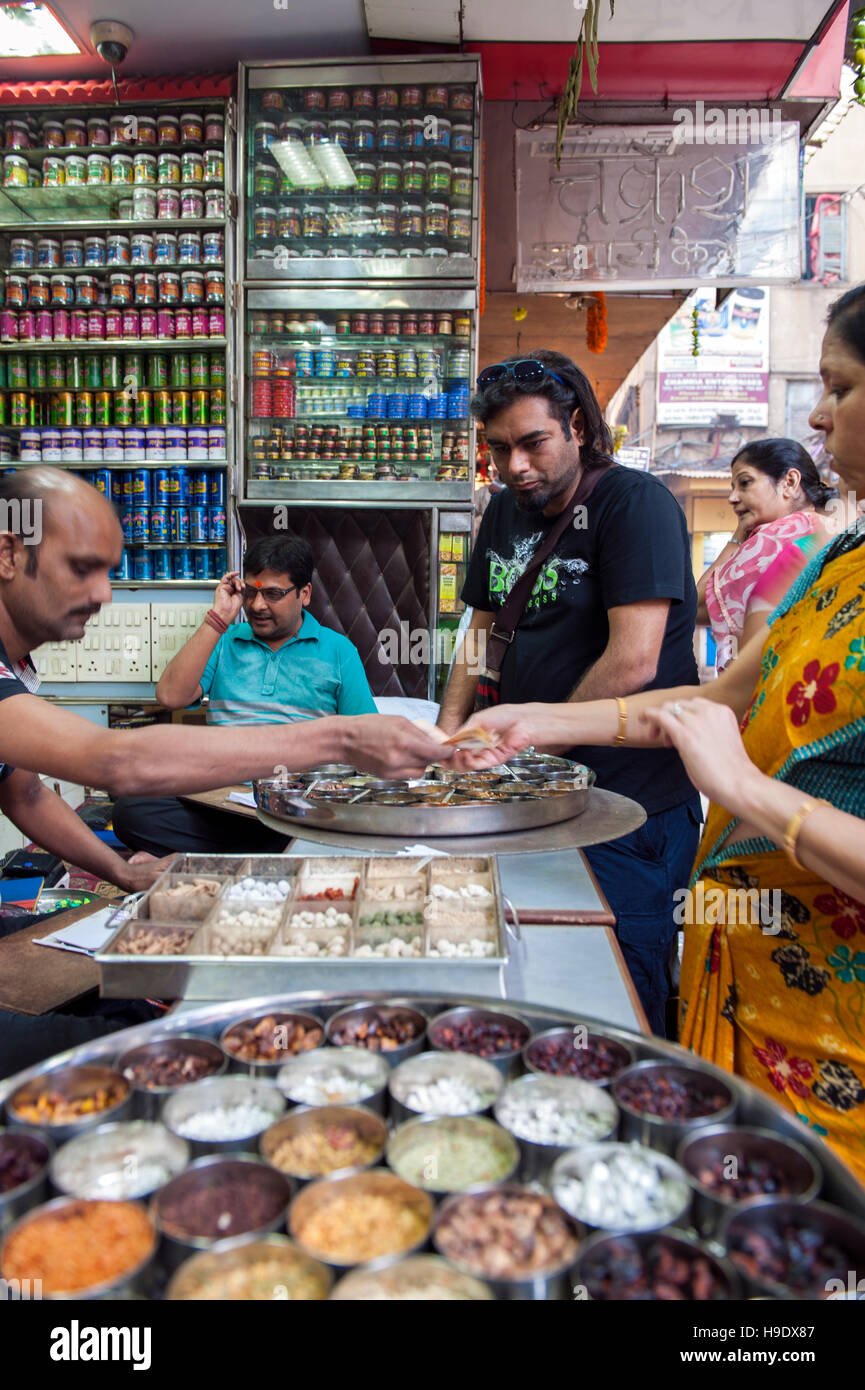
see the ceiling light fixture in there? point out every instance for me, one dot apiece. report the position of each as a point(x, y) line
point(32, 30)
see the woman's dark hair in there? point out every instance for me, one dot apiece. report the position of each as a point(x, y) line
point(775, 458)
point(847, 319)
point(597, 448)
point(285, 555)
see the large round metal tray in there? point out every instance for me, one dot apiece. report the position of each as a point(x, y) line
point(366, 818)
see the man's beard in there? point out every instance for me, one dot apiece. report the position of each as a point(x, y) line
point(533, 501)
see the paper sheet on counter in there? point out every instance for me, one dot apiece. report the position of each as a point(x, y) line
point(242, 798)
point(86, 936)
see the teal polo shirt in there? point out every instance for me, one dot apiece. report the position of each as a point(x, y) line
point(316, 672)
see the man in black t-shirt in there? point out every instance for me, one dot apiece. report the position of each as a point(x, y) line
point(612, 612)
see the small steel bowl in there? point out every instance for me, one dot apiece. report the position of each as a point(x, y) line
point(575, 1161)
point(221, 1091)
point(376, 1182)
point(420, 1278)
point(264, 1068)
point(837, 1226)
point(178, 1243)
point(550, 1282)
point(802, 1175)
point(358, 1014)
point(426, 1067)
point(369, 1068)
point(567, 1093)
point(73, 1083)
point(365, 1123)
point(331, 771)
point(15, 1201)
point(662, 1134)
point(116, 1149)
point(131, 1282)
point(433, 1131)
point(147, 1101)
point(540, 762)
point(284, 1263)
point(508, 1063)
point(597, 1248)
point(582, 1051)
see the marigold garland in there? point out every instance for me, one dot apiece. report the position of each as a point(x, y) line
point(596, 323)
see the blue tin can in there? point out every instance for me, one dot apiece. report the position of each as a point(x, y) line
point(160, 487)
point(126, 489)
point(116, 488)
point(397, 405)
point(202, 564)
point(180, 487)
point(216, 488)
point(126, 523)
point(178, 525)
point(303, 361)
point(199, 487)
point(216, 523)
point(161, 561)
point(198, 525)
point(324, 360)
point(437, 407)
point(417, 407)
point(141, 487)
point(102, 480)
point(142, 564)
point(376, 404)
point(182, 564)
point(218, 561)
point(160, 530)
point(124, 569)
point(140, 523)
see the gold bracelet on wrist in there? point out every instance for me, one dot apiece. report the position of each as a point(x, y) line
point(623, 721)
point(794, 827)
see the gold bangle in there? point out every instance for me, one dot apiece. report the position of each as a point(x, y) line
point(794, 827)
point(623, 721)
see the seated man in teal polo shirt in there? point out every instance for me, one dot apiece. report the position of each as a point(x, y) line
point(278, 666)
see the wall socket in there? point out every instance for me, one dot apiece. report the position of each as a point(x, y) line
point(171, 626)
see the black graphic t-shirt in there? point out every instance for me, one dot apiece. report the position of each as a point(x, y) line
point(17, 678)
point(634, 546)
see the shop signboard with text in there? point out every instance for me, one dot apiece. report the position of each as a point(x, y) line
point(652, 207)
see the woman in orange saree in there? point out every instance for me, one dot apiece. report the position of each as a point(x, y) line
point(777, 743)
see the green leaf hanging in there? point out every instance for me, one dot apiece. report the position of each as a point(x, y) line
point(587, 51)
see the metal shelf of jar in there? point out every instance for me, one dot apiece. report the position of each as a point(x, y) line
point(118, 345)
point(331, 273)
point(392, 493)
point(71, 198)
point(119, 224)
point(126, 268)
point(119, 465)
point(35, 154)
point(341, 342)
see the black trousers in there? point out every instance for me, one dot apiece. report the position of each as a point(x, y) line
point(166, 825)
point(25, 1040)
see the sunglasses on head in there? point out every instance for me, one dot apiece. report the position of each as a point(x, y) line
point(527, 370)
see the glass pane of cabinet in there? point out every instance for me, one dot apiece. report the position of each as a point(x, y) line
point(361, 171)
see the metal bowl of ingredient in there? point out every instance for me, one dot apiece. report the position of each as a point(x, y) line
point(156, 1070)
point(336, 1076)
point(443, 1083)
point(311, 1143)
point(683, 1098)
point(796, 1250)
point(351, 1219)
point(260, 1045)
point(392, 1029)
point(621, 1187)
point(63, 1101)
point(251, 1269)
point(652, 1265)
point(548, 1115)
point(729, 1167)
point(215, 1199)
point(453, 1153)
point(475, 1232)
point(225, 1114)
point(83, 1249)
point(578, 1053)
point(419, 1278)
point(496, 1035)
point(119, 1162)
point(24, 1160)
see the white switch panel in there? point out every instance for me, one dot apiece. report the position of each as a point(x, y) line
point(171, 626)
point(56, 662)
point(116, 644)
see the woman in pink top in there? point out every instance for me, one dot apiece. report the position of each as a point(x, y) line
point(778, 497)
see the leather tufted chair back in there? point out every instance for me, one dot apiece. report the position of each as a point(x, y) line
point(372, 573)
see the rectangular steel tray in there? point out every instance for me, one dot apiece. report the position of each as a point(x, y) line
point(200, 974)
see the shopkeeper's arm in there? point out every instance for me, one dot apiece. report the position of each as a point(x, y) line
point(459, 697)
point(165, 759)
point(180, 682)
point(43, 817)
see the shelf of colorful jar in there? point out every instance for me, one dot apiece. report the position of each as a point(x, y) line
point(115, 345)
point(336, 342)
point(35, 153)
